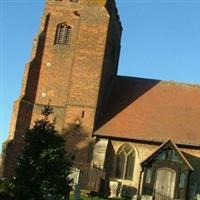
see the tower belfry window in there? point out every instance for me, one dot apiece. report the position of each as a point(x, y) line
point(63, 35)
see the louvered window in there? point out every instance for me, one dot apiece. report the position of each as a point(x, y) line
point(63, 35)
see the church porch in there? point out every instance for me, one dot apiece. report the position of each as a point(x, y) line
point(132, 170)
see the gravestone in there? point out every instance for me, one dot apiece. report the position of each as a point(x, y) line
point(75, 174)
point(113, 189)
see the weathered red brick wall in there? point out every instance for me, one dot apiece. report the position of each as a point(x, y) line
point(71, 78)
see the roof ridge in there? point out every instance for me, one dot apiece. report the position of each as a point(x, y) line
point(172, 82)
point(181, 83)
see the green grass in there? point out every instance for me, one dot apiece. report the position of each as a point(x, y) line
point(84, 196)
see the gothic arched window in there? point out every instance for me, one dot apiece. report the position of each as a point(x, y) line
point(125, 162)
point(63, 34)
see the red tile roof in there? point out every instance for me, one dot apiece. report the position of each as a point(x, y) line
point(152, 110)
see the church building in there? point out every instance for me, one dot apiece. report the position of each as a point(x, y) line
point(131, 137)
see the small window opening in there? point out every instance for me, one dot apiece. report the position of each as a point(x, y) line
point(63, 35)
point(182, 180)
point(148, 175)
point(83, 114)
point(74, 1)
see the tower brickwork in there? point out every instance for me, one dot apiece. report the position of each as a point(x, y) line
point(74, 57)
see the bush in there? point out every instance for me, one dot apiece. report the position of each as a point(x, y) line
point(6, 189)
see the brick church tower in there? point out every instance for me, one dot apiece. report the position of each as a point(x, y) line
point(74, 57)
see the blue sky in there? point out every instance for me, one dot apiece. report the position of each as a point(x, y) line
point(161, 39)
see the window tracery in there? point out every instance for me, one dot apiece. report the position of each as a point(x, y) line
point(125, 162)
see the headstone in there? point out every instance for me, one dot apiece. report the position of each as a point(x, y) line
point(147, 197)
point(75, 173)
point(113, 189)
point(128, 192)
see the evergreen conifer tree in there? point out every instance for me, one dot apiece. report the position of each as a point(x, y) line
point(44, 166)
